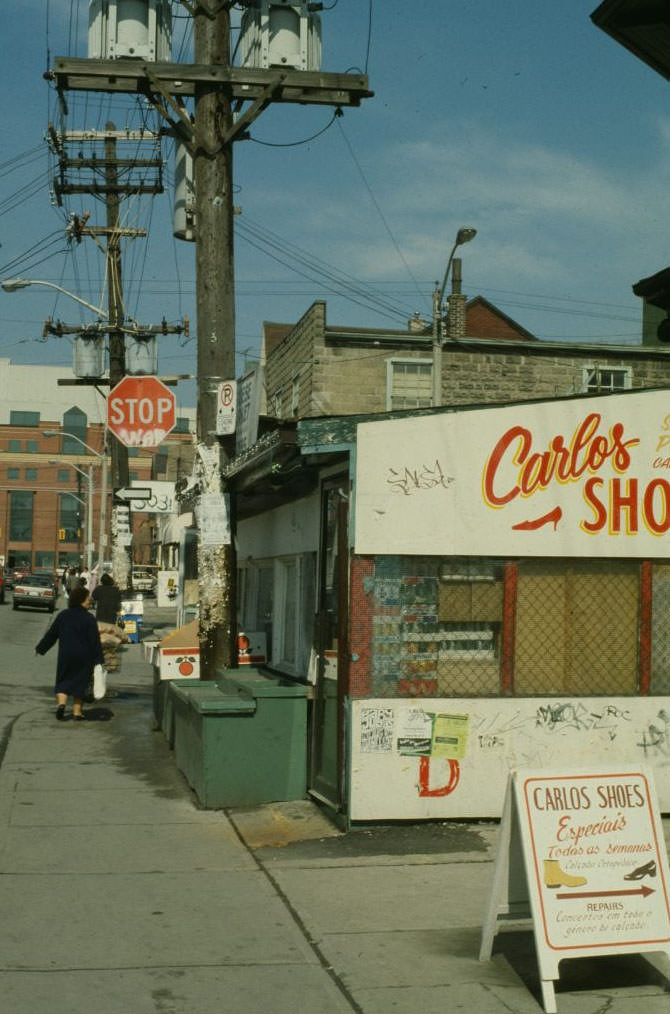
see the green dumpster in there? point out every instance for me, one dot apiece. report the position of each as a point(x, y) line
point(241, 740)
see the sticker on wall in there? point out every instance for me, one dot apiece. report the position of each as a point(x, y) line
point(376, 726)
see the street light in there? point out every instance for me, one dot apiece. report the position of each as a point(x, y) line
point(89, 509)
point(14, 284)
point(464, 235)
point(102, 534)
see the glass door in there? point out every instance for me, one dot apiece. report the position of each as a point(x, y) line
point(327, 755)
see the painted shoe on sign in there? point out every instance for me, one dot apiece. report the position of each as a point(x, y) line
point(554, 876)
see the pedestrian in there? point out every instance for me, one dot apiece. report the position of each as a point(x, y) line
point(79, 650)
point(106, 598)
point(84, 577)
point(72, 579)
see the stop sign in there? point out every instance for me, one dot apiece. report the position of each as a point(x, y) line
point(141, 411)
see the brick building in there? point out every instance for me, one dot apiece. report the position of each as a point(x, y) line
point(316, 369)
point(44, 488)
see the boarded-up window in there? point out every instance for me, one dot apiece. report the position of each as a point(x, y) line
point(660, 629)
point(577, 627)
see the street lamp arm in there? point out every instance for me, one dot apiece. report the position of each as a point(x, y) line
point(14, 284)
point(63, 433)
point(446, 273)
point(103, 491)
point(67, 492)
point(64, 461)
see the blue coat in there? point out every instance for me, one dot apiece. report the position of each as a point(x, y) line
point(79, 649)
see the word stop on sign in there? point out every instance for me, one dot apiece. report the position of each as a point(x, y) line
point(141, 411)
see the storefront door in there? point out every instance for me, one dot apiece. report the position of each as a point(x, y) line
point(327, 754)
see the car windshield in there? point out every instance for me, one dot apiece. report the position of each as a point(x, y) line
point(37, 580)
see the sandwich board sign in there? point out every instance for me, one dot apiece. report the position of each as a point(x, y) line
point(583, 855)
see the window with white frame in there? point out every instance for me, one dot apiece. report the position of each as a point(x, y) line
point(286, 636)
point(255, 596)
point(274, 405)
point(277, 599)
point(409, 383)
point(295, 396)
point(607, 379)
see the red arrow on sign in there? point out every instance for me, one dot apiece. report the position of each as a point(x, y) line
point(643, 891)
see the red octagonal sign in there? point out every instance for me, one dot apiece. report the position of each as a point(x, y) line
point(141, 411)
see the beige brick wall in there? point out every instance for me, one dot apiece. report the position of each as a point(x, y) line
point(290, 366)
point(338, 379)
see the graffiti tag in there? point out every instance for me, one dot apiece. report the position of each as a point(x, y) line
point(410, 480)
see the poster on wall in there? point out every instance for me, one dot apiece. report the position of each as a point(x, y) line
point(214, 519)
point(167, 587)
point(572, 477)
point(437, 758)
point(595, 862)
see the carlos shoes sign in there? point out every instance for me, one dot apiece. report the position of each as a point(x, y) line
point(578, 477)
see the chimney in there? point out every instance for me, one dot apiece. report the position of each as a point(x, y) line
point(416, 324)
point(456, 313)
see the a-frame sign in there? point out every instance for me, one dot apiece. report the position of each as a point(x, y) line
point(583, 855)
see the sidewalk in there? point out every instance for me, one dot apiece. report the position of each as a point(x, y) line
point(120, 896)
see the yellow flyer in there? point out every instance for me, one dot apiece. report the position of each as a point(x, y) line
point(450, 736)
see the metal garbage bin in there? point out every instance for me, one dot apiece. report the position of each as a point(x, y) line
point(241, 740)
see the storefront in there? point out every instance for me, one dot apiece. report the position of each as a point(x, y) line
point(467, 591)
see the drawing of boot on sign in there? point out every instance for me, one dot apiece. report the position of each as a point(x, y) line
point(554, 876)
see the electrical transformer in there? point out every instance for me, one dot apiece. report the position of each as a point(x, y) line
point(277, 33)
point(88, 355)
point(183, 219)
point(139, 29)
point(141, 355)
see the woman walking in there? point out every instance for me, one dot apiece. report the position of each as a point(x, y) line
point(79, 650)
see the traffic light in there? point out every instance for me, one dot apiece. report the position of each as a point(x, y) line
point(61, 535)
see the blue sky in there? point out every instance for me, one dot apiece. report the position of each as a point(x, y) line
point(521, 119)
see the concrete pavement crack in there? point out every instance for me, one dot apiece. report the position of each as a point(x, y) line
point(297, 919)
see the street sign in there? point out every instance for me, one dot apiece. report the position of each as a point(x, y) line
point(131, 493)
point(141, 411)
point(159, 498)
point(226, 408)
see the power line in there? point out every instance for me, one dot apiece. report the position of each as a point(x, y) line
point(338, 283)
point(376, 204)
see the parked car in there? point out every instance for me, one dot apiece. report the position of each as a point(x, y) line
point(35, 590)
point(143, 580)
point(47, 572)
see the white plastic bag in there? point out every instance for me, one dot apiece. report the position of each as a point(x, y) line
point(99, 682)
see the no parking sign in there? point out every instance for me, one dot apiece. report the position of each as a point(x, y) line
point(226, 407)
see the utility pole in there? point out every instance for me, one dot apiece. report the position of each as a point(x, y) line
point(215, 297)
point(117, 351)
point(228, 99)
point(80, 173)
